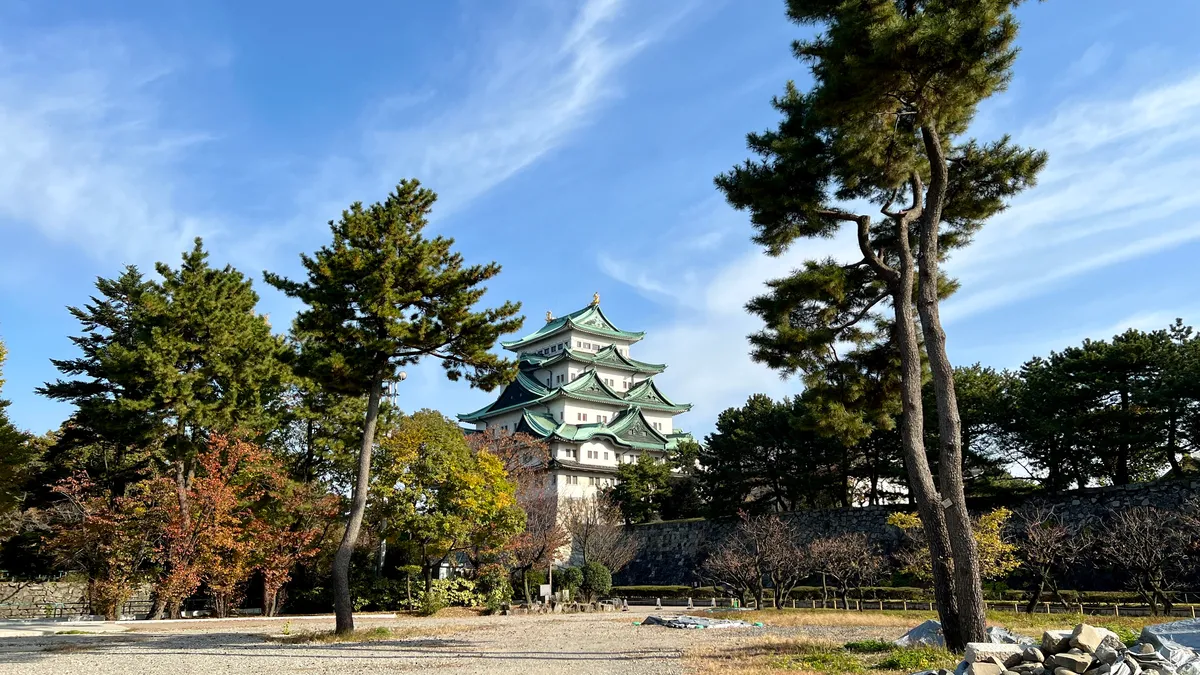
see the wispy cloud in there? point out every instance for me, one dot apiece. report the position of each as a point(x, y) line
point(87, 159)
point(537, 90)
point(1120, 185)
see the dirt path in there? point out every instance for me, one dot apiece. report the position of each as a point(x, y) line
point(577, 644)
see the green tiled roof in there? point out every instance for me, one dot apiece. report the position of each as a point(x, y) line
point(628, 428)
point(590, 319)
point(609, 357)
point(525, 392)
point(646, 393)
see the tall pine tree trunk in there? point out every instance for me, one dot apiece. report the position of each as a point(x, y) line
point(920, 478)
point(343, 607)
point(968, 586)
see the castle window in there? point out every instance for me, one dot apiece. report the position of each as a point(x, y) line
point(606, 456)
point(591, 480)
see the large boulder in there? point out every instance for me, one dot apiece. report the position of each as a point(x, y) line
point(985, 668)
point(1090, 638)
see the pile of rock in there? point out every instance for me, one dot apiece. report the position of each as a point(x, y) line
point(1086, 650)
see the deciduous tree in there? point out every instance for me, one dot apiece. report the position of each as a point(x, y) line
point(438, 494)
point(594, 524)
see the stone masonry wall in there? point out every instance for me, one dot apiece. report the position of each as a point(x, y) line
point(670, 552)
point(53, 599)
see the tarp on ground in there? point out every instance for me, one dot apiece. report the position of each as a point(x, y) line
point(1175, 643)
point(928, 634)
point(693, 622)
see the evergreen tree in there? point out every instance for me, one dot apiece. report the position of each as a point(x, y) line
point(17, 456)
point(642, 489)
point(381, 297)
point(896, 85)
point(117, 424)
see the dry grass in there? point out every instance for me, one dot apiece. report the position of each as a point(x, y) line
point(1030, 624)
point(376, 634)
point(868, 657)
point(829, 617)
point(70, 647)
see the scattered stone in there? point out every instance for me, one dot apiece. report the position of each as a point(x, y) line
point(1106, 654)
point(1077, 663)
point(1033, 655)
point(1006, 655)
point(1056, 641)
point(1144, 648)
point(1030, 669)
point(1064, 671)
point(1135, 668)
point(985, 668)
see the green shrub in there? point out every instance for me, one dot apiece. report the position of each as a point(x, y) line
point(458, 592)
point(665, 592)
point(569, 579)
point(597, 581)
point(431, 602)
point(494, 588)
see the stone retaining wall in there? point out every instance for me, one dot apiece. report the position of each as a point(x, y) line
point(670, 552)
point(55, 599)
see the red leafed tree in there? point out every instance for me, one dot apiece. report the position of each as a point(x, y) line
point(288, 531)
point(103, 536)
point(215, 542)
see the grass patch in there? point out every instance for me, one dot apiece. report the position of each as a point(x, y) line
point(1128, 627)
point(69, 648)
point(375, 634)
point(869, 646)
point(819, 658)
point(73, 631)
point(863, 657)
point(914, 659)
point(872, 657)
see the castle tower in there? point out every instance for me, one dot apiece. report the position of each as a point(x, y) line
point(595, 406)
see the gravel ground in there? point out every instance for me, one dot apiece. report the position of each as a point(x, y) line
point(579, 643)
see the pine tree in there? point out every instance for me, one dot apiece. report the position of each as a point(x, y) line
point(381, 297)
point(117, 424)
point(896, 83)
point(17, 455)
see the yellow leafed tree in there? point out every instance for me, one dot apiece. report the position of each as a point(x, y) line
point(997, 557)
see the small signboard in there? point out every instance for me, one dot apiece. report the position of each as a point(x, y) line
point(544, 590)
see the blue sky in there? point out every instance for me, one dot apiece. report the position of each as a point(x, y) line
point(574, 142)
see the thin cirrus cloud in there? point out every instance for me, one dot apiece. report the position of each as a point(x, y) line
point(538, 91)
point(1119, 186)
point(90, 161)
point(1120, 176)
point(87, 158)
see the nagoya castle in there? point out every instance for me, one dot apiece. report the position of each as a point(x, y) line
point(595, 406)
